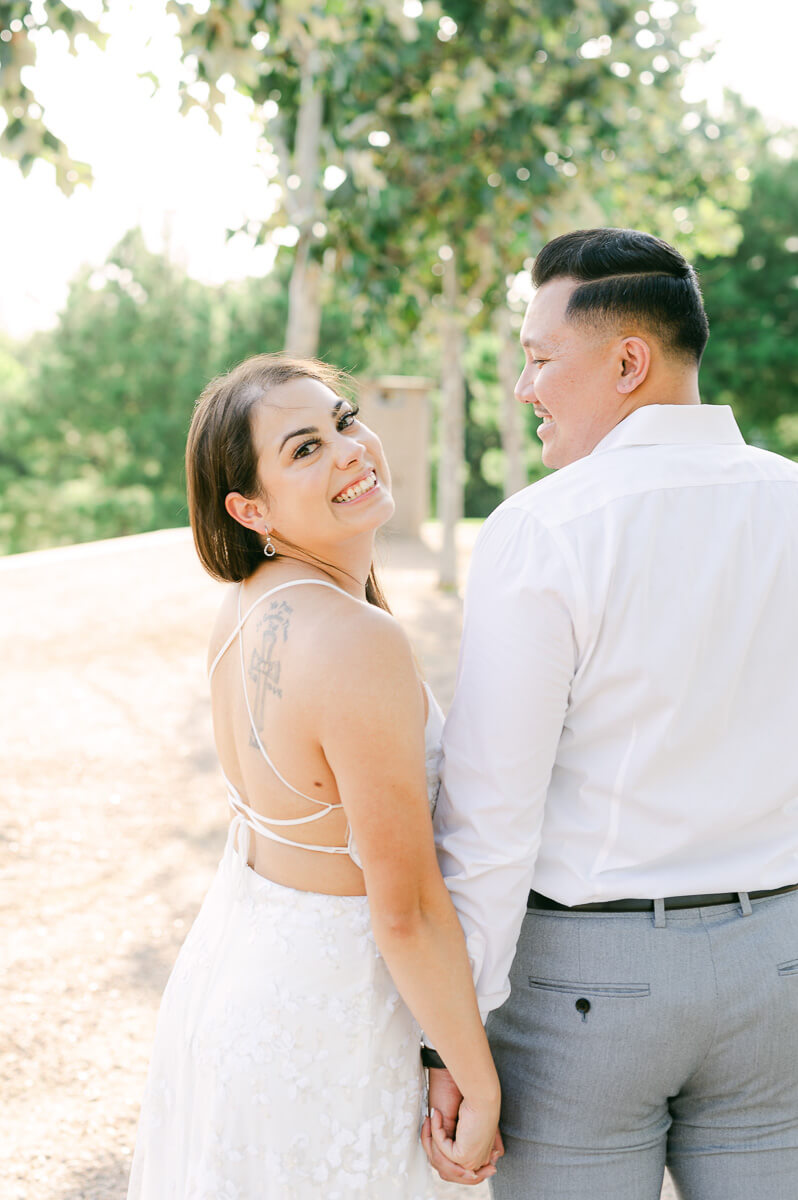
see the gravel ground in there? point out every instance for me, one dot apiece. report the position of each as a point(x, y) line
point(114, 821)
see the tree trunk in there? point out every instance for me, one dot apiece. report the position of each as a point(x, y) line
point(511, 417)
point(451, 432)
point(304, 302)
point(304, 292)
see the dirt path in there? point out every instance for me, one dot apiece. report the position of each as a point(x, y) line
point(114, 820)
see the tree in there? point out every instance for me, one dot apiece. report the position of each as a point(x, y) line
point(100, 438)
point(751, 361)
point(318, 76)
point(26, 136)
point(451, 125)
point(512, 425)
point(462, 140)
point(515, 123)
point(15, 426)
point(92, 435)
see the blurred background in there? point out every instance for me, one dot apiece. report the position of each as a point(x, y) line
point(183, 185)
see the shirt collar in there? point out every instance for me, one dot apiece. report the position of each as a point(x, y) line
point(674, 424)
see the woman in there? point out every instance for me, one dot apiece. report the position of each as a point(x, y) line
point(286, 1061)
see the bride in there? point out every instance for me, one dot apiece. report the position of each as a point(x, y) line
point(286, 1061)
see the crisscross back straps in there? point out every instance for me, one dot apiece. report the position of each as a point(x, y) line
point(323, 805)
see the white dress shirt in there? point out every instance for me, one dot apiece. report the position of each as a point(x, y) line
point(625, 722)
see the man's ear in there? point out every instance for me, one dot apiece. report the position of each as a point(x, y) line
point(634, 364)
point(252, 514)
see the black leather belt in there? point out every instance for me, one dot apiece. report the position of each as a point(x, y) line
point(535, 900)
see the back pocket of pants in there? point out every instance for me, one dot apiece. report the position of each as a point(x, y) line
point(620, 990)
point(788, 968)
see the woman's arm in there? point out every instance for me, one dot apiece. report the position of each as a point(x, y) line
point(371, 721)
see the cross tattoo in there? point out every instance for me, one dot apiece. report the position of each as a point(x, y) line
point(264, 666)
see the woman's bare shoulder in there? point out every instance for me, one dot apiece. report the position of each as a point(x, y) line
point(225, 622)
point(371, 627)
point(341, 638)
point(360, 649)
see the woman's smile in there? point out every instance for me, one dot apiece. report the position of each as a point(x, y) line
point(366, 485)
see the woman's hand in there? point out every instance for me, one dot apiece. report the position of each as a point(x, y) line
point(446, 1099)
point(466, 1153)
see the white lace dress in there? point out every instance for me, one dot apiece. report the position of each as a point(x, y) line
point(286, 1065)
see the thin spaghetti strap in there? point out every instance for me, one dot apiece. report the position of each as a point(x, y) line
point(261, 825)
point(225, 647)
point(237, 801)
point(242, 620)
point(239, 629)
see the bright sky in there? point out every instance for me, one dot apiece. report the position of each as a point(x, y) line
point(185, 185)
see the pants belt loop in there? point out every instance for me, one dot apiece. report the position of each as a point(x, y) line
point(745, 904)
point(659, 914)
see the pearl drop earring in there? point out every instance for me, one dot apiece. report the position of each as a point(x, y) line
point(269, 549)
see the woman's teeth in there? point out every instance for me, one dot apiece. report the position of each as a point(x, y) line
point(357, 489)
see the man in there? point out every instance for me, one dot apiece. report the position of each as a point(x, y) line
point(618, 821)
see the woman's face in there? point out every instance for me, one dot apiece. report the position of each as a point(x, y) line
point(323, 473)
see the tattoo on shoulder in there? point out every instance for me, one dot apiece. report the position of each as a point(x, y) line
point(264, 664)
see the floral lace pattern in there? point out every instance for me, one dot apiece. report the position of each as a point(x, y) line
point(285, 1064)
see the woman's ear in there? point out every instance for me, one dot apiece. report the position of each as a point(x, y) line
point(250, 513)
point(635, 363)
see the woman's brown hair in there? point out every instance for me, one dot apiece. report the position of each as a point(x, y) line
point(221, 458)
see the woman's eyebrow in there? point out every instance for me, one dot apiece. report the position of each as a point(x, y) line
point(308, 428)
point(298, 433)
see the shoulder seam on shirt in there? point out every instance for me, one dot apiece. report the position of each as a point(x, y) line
point(550, 525)
point(577, 581)
point(569, 562)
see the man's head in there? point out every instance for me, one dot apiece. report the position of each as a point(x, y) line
point(616, 322)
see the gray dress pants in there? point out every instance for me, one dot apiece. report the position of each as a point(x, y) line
point(626, 1045)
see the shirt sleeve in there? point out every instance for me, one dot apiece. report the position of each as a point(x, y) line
point(517, 660)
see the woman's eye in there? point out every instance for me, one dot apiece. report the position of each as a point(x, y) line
point(305, 449)
point(345, 421)
point(538, 362)
point(348, 419)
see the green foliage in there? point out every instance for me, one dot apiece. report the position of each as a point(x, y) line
point(16, 426)
point(99, 437)
point(751, 361)
point(485, 474)
point(251, 316)
point(94, 415)
point(484, 128)
point(528, 118)
point(484, 487)
point(24, 135)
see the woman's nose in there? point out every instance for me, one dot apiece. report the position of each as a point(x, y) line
point(351, 451)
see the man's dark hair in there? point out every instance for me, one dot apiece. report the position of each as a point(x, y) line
point(623, 275)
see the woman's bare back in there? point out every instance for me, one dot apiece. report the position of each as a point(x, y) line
point(275, 657)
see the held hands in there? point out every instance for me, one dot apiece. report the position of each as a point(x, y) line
point(461, 1140)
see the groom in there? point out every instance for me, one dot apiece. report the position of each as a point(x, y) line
point(618, 821)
